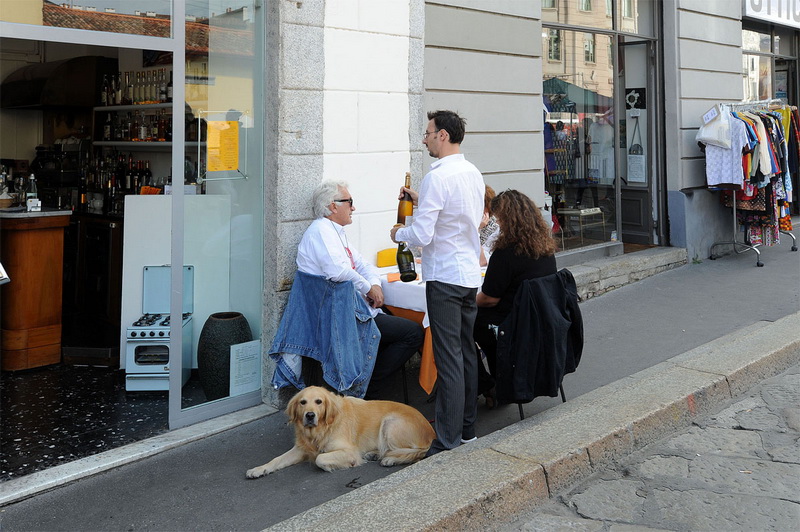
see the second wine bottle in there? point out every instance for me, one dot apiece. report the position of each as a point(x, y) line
point(405, 259)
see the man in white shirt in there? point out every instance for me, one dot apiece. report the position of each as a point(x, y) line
point(450, 208)
point(324, 250)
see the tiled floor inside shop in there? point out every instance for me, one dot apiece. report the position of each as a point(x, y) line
point(58, 414)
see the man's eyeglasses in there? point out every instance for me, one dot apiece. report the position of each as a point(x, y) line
point(425, 136)
point(348, 200)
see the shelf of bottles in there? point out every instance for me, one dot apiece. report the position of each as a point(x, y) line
point(111, 176)
point(135, 112)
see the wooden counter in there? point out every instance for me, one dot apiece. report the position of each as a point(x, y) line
point(32, 251)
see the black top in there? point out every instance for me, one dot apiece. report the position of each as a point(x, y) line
point(505, 273)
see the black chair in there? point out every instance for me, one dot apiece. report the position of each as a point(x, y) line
point(540, 341)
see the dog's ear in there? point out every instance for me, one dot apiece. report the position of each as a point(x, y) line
point(332, 407)
point(292, 409)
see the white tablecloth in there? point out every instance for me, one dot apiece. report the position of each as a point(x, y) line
point(405, 295)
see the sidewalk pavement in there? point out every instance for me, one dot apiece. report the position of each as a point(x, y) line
point(660, 354)
point(481, 485)
point(738, 469)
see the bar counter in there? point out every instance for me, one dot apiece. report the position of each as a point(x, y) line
point(32, 252)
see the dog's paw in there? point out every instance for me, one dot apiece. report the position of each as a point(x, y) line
point(372, 456)
point(390, 461)
point(256, 472)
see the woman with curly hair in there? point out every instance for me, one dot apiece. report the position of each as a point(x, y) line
point(524, 249)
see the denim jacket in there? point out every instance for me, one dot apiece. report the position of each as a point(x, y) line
point(329, 322)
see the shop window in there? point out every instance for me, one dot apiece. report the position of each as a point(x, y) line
point(754, 41)
point(585, 5)
point(553, 45)
point(580, 171)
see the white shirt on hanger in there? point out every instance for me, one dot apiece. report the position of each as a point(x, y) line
point(724, 166)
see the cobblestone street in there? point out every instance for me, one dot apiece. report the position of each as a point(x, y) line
point(736, 470)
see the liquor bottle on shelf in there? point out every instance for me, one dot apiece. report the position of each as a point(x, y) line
point(107, 127)
point(162, 126)
point(147, 174)
point(127, 92)
point(104, 91)
point(137, 89)
point(144, 129)
point(405, 259)
point(169, 88)
point(118, 89)
point(135, 128)
point(162, 86)
point(127, 127)
point(150, 87)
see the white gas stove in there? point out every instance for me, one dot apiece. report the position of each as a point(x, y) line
point(148, 338)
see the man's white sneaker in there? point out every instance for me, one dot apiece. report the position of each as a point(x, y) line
point(469, 440)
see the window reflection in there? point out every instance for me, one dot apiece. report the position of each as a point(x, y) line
point(579, 136)
point(757, 77)
point(755, 41)
point(148, 17)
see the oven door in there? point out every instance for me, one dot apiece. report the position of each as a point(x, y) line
point(147, 365)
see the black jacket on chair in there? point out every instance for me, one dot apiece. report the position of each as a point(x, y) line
point(541, 340)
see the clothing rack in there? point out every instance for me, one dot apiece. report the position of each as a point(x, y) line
point(760, 105)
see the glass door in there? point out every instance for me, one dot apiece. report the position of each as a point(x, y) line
point(218, 214)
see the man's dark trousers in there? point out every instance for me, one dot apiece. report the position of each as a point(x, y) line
point(452, 311)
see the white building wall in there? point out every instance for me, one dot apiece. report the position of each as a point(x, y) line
point(703, 63)
point(483, 60)
point(366, 111)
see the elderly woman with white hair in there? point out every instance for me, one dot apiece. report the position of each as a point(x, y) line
point(325, 251)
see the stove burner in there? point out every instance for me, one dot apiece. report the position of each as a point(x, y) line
point(147, 320)
point(166, 321)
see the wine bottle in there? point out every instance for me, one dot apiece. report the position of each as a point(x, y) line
point(406, 205)
point(405, 259)
point(104, 91)
point(118, 89)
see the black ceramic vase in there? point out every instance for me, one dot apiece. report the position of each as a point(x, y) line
point(220, 331)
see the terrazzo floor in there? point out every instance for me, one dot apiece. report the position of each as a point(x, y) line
point(53, 415)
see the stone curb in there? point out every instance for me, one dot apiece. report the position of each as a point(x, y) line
point(515, 469)
point(603, 275)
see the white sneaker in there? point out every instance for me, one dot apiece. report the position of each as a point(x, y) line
point(469, 440)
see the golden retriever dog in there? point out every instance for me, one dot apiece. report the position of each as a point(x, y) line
point(338, 432)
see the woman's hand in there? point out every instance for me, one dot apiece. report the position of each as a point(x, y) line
point(484, 220)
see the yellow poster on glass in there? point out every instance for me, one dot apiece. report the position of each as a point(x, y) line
point(222, 145)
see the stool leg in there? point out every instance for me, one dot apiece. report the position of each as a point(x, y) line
point(521, 413)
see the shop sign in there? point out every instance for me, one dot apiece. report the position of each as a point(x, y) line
point(784, 12)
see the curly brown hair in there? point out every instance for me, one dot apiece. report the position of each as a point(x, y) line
point(521, 225)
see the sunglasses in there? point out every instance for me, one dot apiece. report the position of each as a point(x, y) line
point(348, 200)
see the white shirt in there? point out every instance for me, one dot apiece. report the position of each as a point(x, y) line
point(724, 165)
point(322, 251)
point(446, 222)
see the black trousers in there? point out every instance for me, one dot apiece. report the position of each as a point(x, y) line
point(451, 310)
point(485, 337)
point(400, 339)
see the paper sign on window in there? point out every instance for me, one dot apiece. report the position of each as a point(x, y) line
point(222, 144)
